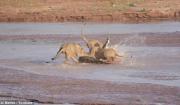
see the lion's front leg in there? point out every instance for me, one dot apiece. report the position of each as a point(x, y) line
point(74, 59)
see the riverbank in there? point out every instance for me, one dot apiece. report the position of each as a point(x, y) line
point(59, 90)
point(125, 11)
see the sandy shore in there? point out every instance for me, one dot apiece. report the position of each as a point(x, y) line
point(53, 89)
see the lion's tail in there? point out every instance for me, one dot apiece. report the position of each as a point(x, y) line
point(59, 51)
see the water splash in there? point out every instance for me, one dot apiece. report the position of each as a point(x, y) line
point(127, 48)
point(133, 40)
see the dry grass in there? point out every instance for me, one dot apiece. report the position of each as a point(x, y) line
point(69, 5)
point(88, 6)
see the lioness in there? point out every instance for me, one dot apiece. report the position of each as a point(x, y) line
point(92, 43)
point(103, 53)
point(98, 52)
point(71, 50)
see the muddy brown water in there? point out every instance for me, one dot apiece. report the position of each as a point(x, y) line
point(149, 72)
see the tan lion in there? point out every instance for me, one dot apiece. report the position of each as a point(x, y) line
point(99, 52)
point(71, 51)
point(92, 43)
point(104, 53)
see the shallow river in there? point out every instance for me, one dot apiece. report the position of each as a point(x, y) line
point(151, 51)
point(141, 63)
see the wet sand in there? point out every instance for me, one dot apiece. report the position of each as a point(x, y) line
point(148, 73)
point(56, 89)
